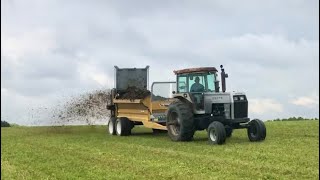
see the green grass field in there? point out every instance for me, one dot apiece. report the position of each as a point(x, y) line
point(290, 151)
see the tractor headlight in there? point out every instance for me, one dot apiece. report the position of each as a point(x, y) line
point(241, 98)
point(227, 111)
point(235, 98)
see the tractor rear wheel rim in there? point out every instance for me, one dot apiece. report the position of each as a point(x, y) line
point(175, 127)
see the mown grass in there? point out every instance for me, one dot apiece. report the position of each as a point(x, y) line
point(290, 151)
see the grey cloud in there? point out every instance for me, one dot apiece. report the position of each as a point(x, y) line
point(43, 76)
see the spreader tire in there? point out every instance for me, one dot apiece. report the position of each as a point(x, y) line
point(112, 126)
point(123, 126)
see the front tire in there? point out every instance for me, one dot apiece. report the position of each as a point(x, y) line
point(123, 126)
point(180, 123)
point(256, 130)
point(216, 133)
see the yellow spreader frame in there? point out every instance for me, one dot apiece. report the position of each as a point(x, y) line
point(141, 110)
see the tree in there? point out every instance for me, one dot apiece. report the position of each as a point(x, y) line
point(5, 124)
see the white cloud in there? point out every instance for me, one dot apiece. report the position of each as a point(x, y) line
point(38, 41)
point(263, 106)
point(306, 101)
point(264, 49)
point(101, 78)
point(91, 72)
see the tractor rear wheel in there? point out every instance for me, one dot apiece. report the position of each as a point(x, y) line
point(180, 122)
point(123, 126)
point(216, 133)
point(112, 126)
point(256, 130)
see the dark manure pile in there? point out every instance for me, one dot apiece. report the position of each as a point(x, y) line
point(133, 93)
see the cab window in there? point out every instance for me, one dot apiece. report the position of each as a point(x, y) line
point(192, 82)
point(182, 84)
point(210, 79)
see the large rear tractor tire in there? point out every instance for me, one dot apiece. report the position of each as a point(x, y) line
point(112, 126)
point(256, 130)
point(123, 126)
point(216, 133)
point(180, 123)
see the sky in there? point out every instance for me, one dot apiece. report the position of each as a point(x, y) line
point(54, 49)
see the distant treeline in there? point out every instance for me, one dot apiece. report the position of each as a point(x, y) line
point(295, 119)
point(5, 124)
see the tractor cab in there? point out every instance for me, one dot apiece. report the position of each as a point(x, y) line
point(196, 82)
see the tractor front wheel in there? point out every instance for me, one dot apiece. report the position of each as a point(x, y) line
point(256, 130)
point(216, 133)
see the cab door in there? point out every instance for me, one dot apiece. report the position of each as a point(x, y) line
point(197, 97)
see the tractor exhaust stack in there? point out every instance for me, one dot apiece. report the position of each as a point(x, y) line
point(223, 79)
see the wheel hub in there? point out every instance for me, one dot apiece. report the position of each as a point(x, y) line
point(213, 135)
point(174, 124)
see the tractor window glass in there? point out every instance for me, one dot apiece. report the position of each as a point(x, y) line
point(210, 79)
point(182, 84)
point(196, 83)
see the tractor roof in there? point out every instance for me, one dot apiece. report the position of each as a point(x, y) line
point(196, 70)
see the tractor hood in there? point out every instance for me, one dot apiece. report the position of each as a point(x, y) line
point(219, 98)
